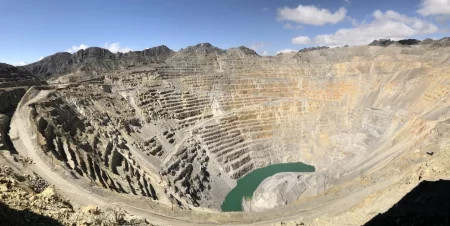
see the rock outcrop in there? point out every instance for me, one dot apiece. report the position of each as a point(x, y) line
point(409, 42)
point(381, 42)
point(305, 50)
point(388, 42)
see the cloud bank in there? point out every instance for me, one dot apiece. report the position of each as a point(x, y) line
point(115, 47)
point(286, 51)
point(75, 49)
point(311, 15)
point(389, 24)
point(434, 7)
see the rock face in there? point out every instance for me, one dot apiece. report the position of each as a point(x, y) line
point(4, 122)
point(9, 99)
point(13, 85)
point(179, 129)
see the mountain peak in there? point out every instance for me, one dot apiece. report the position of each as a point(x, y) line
point(242, 50)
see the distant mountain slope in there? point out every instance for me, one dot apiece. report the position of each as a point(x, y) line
point(200, 59)
point(94, 61)
point(11, 76)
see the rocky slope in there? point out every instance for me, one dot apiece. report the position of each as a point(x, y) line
point(94, 61)
point(13, 85)
point(11, 76)
point(27, 200)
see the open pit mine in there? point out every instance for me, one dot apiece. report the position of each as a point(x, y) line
point(325, 136)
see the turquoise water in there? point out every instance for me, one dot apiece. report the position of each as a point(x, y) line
point(248, 184)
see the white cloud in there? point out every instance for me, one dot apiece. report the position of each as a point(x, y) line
point(14, 63)
point(264, 53)
point(115, 47)
point(19, 63)
point(385, 25)
point(286, 51)
point(311, 15)
point(40, 58)
point(301, 40)
point(75, 49)
point(348, 1)
point(434, 7)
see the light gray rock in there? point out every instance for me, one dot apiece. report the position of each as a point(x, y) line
point(284, 188)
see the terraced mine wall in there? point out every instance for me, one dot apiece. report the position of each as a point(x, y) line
point(180, 132)
point(184, 131)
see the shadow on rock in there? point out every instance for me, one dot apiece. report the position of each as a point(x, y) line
point(10, 216)
point(426, 204)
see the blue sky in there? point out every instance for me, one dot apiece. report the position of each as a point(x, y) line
point(31, 29)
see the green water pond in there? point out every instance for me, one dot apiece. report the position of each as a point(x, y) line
point(248, 184)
